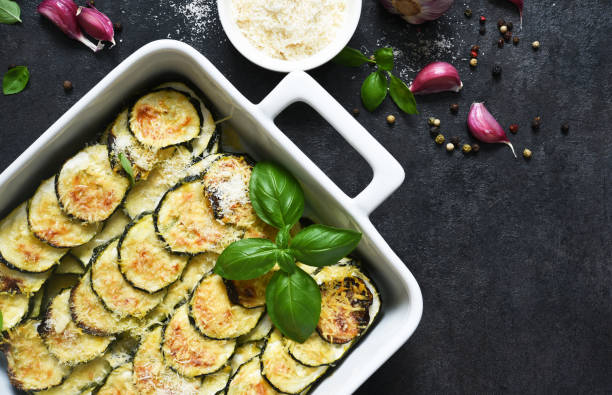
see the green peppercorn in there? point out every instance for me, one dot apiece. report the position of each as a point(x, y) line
point(430, 121)
point(390, 119)
point(466, 148)
point(473, 62)
point(439, 139)
point(527, 153)
point(467, 13)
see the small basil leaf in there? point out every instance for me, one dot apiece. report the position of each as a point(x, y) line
point(15, 80)
point(293, 302)
point(351, 57)
point(246, 259)
point(320, 245)
point(9, 12)
point(374, 90)
point(282, 237)
point(276, 195)
point(127, 166)
point(286, 261)
point(384, 58)
point(402, 96)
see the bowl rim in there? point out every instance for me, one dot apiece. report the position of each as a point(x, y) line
point(241, 43)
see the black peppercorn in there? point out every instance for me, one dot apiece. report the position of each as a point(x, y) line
point(565, 127)
point(355, 111)
point(454, 108)
point(434, 131)
point(510, 25)
point(508, 36)
point(515, 40)
point(118, 27)
point(67, 85)
point(455, 141)
point(497, 70)
point(500, 22)
point(12, 66)
point(467, 13)
point(482, 30)
point(536, 123)
point(475, 147)
point(500, 43)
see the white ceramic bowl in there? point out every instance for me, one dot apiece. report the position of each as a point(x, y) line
point(260, 58)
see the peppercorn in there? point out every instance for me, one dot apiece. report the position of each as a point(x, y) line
point(466, 148)
point(509, 25)
point(475, 147)
point(565, 127)
point(507, 36)
point(12, 66)
point(475, 48)
point(434, 131)
point(473, 54)
point(355, 111)
point(436, 122)
point(467, 13)
point(390, 119)
point(455, 140)
point(483, 19)
point(513, 128)
point(482, 30)
point(430, 121)
point(503, 29)
point(67, 86)
point(473, 62)
point(500, 22)
point(497, 70)
point(450, 147)
point(535, 45)
point(515, 40)
point(500, 43)
point(536, 123)
point(118, 27)
point(527, 153)
point(439, 139)
point(454, 108)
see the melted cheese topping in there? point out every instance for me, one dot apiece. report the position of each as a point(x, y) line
point(152, 376)
point(88, 188)
point(284, 372)
point(49, 223)
point(113, 227)
point(21, 249)
point(315, 351)
point(248, 380)
point(215, 316)
point(116, 293)
point(66, 341)
point(144, 260)
point(213, 384)
point(188, 352)
point(119, 382)
point(163, 118)
point(263, 329)
point(15, 281)
point(186, 222)
point(250, 293)
point(13, 307)
point(243, 354)
point(30, 365)
point(81, 378)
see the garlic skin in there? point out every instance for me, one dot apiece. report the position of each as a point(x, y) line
point(417, 11)
point(63, 14)
point(485, 128)
point(436, 77)
point(96, 24)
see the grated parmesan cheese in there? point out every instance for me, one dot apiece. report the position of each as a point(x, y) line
point(289, 29)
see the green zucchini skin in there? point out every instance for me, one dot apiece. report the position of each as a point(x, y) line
point(128, 388)
point(15, 281)
point(253, 364)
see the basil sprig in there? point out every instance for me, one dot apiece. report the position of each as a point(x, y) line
point(15, 80)
point(293, 299)
point(375, 86)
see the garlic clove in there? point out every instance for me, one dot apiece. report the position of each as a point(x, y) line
point(96, 24)
point(63, 14)
point(485, 127)
point(436, 77)
point(417, 11)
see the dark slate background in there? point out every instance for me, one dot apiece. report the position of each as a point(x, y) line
point(513, 256)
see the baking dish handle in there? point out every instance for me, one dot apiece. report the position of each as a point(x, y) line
point(388, 174)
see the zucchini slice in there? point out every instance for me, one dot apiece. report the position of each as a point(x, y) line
point(35, 304)
point(349, 302)
point(165, 117)
point(283, 372)
point(121, 141)
point(198, 267)
point(144, 261)
point(82, 378)
point(122, 350)
point(185, 221)
point(249, 293)
point(204, 143)
point(215, 316)
point(89, 313)
point(57, 284)
point(226, 186)
point(215, 383)
point(69, 265)
point(248, 380)
point(14, 308)
point(243, 354)
point(260, 230)
point(20, 249)
point(316, 352)
point(152, 376)
point(119, 382)
point(114, 291)
point(113, 227)
point(87, 188)
point(260, 332)
point(145, 195)
point(48, 222)
point(188, 352)
point(66, 341)
point(14, 281)
point(31, 367)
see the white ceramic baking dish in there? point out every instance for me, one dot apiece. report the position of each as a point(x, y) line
point(255, 126)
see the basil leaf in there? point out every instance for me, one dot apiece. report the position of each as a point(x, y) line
point(384, 58)
point(282, 237)
point(293, 302)
point(374, 90)
point(286, 261)
point(320, 245)
point(15, 80)
point(9, 12)
point(246, 259)
point(402, 96)
point(127, 166)
point(351, 57)
point(276, 195)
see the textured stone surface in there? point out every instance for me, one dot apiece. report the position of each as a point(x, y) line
point(513, 256)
